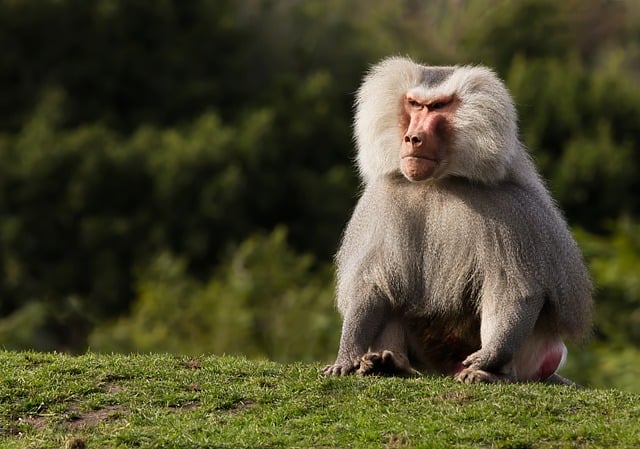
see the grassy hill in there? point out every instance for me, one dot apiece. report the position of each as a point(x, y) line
point(163, 401)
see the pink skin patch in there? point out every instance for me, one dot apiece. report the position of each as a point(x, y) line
point(539, 358)
point(553, 359)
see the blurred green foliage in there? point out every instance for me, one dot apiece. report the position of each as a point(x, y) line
point(174, 176)
point(257, 303)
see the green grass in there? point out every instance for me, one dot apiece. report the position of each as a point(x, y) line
point(163, 401)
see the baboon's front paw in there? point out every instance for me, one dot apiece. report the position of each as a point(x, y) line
point(340, 369)
point(370, 363)
point(385, 363)
point(473, 375)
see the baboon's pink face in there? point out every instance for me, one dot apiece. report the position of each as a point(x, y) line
point(426, 126)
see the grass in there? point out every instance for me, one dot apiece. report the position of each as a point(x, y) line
point(50, 400)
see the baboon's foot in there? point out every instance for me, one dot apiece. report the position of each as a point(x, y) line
point(475, 375)
point(386, 363)
point(340, 369)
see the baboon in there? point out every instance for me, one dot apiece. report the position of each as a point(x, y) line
point(456, 259)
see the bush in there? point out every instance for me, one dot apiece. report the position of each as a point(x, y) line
point(263, 301)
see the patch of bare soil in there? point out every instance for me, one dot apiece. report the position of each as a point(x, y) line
point(36, 421)
point(186, 406)
point(76, 421)
point(94, 417)
point(241, 406)
point(112, 388)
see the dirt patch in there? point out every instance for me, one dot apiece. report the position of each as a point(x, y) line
point(241, 406)
point(38, 422)
point(186, 406)
point(75, 420)
point(112, 388)
point(94, 417)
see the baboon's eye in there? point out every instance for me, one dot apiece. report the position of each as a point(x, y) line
point(438, 105)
